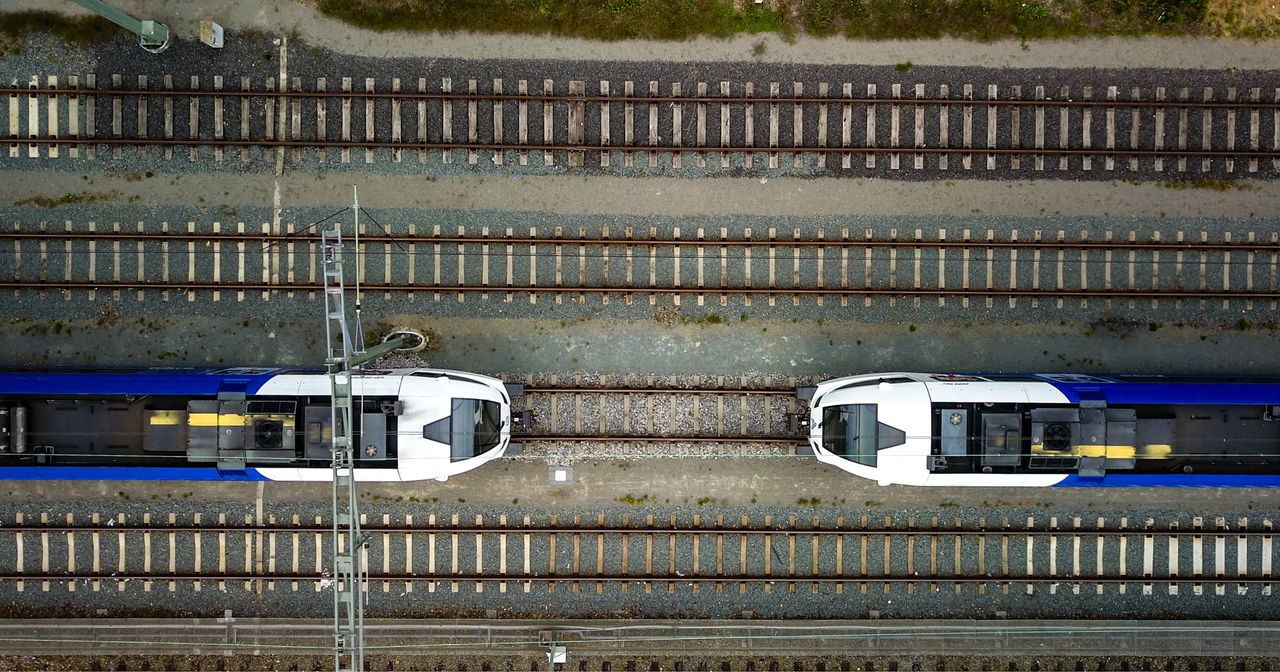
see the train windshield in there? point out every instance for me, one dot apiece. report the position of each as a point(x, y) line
point(473, 428)
point(850, 432)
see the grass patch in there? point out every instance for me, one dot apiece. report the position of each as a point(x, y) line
point(868, 19)
point(596, 19)
point(84, 31)
point(1001, 19)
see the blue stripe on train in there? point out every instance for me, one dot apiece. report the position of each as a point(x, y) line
point(1261, 394)
point(136, 384)
point(1175, 480)
point(129, 474)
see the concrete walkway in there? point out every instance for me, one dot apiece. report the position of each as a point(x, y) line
point(796, 197)
point(1027, 640)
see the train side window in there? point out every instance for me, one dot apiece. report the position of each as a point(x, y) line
point(1074, 378)
point(1197, 379)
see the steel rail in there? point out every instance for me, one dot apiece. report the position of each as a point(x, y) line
point(373, 575)
point(644, 99)
point(373, 239)
point(918, 532)
point(415, 145)
point(554, 289)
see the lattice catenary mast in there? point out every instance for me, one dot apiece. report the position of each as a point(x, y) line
point(342, 358)
point(152, 35)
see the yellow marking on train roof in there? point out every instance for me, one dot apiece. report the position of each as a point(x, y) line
point(167, 417)
point(1154, 451)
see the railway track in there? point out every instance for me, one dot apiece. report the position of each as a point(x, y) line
point(1110, 267)
point(647, 552)
point(621, 414)
point(842, 128)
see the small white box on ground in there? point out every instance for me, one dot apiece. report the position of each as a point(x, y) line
point(560, 475)
point(211, 34)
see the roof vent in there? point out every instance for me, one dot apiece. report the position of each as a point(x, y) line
point(1057, 436)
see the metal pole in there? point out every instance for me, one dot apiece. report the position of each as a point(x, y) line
point(355, 200)
point(152, 36)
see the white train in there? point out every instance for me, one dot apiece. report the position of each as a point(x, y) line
point(245, 423)
point(947, 429)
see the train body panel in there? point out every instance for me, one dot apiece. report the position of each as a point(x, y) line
point(1036, 430)
point(245, 423)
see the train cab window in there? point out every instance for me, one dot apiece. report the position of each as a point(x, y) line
point(892, 380)
point(473, 428)
point(850, 432)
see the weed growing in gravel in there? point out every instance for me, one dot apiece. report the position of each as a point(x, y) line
point(68, 199)
point(705, 320)
point(1207, 183)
